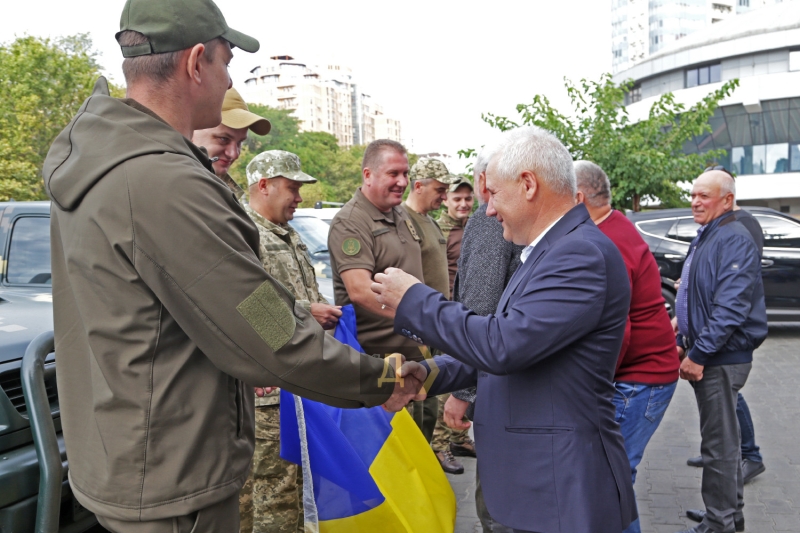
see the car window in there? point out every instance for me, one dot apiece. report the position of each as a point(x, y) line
point(779, 232)
point(314, 233)
point(29, 254)
point(657, 228)
point(685, 230)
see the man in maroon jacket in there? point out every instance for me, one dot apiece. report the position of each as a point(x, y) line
point(647, 369)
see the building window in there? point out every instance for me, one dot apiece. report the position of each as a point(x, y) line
point(636, 94)
point(744, 3)
point(703, 75)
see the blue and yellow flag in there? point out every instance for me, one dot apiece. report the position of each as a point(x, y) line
point(372, 471)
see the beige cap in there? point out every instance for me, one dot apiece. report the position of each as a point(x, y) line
point(236, 115)
point(276, 164)
point(429, 168)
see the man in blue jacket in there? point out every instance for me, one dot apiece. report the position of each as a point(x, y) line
point(722, 318)
point(544, 362)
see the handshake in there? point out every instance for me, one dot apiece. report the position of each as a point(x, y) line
point(409, 378)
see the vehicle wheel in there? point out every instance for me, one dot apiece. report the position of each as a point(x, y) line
point(669, 301)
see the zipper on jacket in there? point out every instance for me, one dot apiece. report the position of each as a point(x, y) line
point(239, 408)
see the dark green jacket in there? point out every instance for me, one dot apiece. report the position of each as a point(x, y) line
point(165, 319)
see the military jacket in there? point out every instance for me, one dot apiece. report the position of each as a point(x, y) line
point(363, 237)
point(285, 257)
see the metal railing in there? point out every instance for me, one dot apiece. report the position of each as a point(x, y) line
point(51, 473)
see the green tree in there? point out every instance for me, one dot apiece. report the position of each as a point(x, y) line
point(644, 159)
point(44, 82)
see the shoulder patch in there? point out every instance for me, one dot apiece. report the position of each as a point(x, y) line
point(413, 230)
point(351, 246)
point(269, 316)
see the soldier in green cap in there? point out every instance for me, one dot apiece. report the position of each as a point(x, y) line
point(271, 500)
point(164, 316)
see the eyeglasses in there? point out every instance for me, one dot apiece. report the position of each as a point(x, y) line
point(719, 167)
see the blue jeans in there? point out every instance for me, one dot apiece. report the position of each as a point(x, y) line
point(640, 409)
point(749, 449)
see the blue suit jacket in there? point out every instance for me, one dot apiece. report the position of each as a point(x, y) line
point(550, 456)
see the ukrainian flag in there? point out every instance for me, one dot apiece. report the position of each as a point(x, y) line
point(372, 471)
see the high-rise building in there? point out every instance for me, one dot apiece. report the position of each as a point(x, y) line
point(323, 98)
point(640, 28)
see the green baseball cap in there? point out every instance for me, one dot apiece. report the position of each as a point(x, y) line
point(458, 182)
point(276, 164)
point(173, 25)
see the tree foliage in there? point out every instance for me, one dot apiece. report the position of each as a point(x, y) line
point(43, 82)
point(337, 169)
point(644, 159)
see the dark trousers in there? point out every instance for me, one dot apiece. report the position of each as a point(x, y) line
point(750, 450)
point(722, 488)
point(222, 516)
point(424, 414)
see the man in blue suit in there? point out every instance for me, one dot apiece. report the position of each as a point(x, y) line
point(544, 363)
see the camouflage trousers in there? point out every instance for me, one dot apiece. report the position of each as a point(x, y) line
point(271, 500)
point(443, 435)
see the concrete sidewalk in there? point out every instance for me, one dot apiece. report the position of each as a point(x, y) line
point(666, 486)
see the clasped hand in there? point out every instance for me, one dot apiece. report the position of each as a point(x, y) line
point(408, 383)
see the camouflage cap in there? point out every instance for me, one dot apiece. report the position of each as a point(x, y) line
point(276, 164)
point(172, 25)
point(429, 168)
point(459, 181)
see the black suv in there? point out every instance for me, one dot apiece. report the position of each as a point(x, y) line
point(26, 309)
point(670, 231)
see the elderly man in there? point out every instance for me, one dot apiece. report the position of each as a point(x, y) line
point(459, 203)
point(162, 309)
point(647, 369)
point(224, 142)
point(270, 501)
point(429, 182)
point(544, 362)
point(722, 319)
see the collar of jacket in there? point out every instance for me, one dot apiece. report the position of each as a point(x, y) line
point(568, 223)
point(373, 211)
point(278, 229)
point(455, 222)
point(722, 220)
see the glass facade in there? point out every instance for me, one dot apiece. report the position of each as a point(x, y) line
point(756, 143)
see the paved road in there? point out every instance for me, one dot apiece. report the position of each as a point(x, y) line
point(666, 486)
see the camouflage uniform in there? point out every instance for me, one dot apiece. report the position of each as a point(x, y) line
point(271, 501)
point(446, 223)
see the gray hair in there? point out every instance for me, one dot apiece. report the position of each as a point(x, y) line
point(536, 150)
point(593, 183)
point(727, 186)
point(481, 163)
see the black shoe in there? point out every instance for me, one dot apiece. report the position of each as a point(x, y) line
point(466, 449)
point(698, 515)
point(695, 461)
point(699, 528)
point(449, 463)
point(751, 469)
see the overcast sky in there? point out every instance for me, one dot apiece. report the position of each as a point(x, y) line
point(436, 65)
